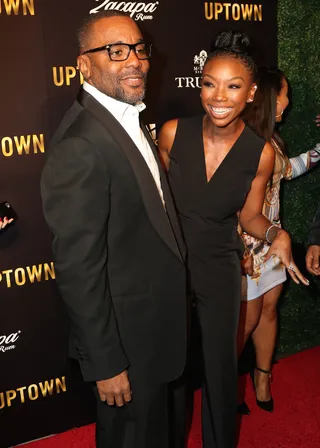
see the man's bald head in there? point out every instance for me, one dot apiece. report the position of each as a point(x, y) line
point(84, 32)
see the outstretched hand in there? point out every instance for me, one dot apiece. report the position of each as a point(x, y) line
point(312, 260)
point(281, 248)
point(116, 390)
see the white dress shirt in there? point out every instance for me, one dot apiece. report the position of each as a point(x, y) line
point(128, 116)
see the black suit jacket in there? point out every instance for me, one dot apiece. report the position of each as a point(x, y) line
point(314, 237)
point(119, 256)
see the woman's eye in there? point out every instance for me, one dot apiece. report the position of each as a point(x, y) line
point(207, 84)
point(234, 86)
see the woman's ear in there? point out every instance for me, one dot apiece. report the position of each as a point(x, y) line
point(252, 93)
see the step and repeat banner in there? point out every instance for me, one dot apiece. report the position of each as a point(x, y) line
point(41, 392)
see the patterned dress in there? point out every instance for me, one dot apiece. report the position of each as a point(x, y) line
point(272, 273)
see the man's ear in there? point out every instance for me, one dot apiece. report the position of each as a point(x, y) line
point(84, 65)
point(252, 93)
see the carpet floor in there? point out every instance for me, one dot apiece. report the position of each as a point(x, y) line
point(295, 422)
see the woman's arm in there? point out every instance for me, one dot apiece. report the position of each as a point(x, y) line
point(256, 224)
point(296, 166)
point(251, 219)
point(165, 141)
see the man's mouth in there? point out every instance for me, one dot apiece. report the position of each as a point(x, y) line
point(133, 80)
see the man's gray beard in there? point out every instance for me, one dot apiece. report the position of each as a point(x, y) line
point(133, 99)
point(118, 93)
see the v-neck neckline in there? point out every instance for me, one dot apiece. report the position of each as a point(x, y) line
point(226, 157)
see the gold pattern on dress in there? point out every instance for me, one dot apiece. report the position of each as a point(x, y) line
point(271, 210)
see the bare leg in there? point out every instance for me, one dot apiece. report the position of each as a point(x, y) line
point(250, 312)
point(264, 339)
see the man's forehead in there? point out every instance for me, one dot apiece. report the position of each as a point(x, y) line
point(116, 29)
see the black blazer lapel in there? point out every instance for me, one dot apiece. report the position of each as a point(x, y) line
point(149, 192)
point(171, 210)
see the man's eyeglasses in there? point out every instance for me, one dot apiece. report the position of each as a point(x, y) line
point(121, 52)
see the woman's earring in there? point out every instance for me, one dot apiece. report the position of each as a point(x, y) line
point(251, 99)
point(279, 115)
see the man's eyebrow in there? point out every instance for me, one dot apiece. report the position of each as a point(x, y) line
point(119, 42)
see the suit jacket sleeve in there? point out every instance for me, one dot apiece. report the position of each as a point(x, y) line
point(75, 193)
point(314, 238)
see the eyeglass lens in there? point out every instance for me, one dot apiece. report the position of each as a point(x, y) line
point(120, 52)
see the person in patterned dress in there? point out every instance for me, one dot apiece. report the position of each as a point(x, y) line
point(261, 293)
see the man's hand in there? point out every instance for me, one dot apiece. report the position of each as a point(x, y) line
point(5, 222)
point(312, 260)
point(115, 390)
point(281, 248)
point(247, 265)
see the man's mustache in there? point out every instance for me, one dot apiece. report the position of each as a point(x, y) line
point(133, 73)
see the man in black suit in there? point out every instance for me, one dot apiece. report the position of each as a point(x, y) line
point(118, 251)
point(313, 254)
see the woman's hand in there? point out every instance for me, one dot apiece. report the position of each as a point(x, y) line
point(247, 265)
point(312, 260)
point(281, 248)
point(318, 120)
point(5, 222)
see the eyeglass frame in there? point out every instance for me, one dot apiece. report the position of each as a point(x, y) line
point(130, 46)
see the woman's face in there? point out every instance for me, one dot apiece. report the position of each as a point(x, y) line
point(226, 88)
point(282, 100)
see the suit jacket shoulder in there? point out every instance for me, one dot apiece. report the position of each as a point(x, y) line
point(78, 122)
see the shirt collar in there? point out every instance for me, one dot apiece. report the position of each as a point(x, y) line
point(119, 109)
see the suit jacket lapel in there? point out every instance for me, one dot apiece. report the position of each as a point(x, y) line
point(149, 192)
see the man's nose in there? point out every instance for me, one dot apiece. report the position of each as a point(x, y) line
point(133, 59)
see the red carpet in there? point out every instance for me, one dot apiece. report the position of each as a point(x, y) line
point(295, 423)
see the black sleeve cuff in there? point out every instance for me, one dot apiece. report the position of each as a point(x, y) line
point(103, 366)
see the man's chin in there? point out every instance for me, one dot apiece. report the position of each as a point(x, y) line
point(133, 96)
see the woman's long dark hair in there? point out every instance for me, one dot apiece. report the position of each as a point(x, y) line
point(260, 115)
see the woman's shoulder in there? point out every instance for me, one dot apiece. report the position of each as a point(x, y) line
point(253, 136)
point(169, 127)
point(167, 135)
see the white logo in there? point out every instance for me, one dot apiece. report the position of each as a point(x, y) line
point(193, 81)
point(7, 342)
point(199, 61)
point(136, 10)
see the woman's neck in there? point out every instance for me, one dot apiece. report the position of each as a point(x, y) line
point(229, 131)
